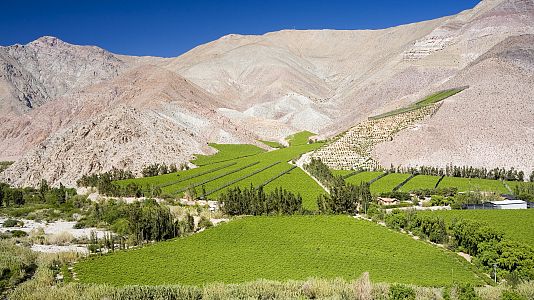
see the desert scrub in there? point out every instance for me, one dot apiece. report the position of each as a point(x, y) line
point(17, 264)
point(13, 223)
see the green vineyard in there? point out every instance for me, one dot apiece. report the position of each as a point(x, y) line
point(282, 248)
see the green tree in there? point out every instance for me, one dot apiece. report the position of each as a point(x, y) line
point(13, 196)
point(401, 292)
point(1, 195)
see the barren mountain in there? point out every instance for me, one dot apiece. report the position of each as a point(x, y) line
point(145, 115)
point(489, 124)
point(327, 80)
point(241, 88)
point(33, 74)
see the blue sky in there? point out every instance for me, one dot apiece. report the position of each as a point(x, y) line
point(170, 28)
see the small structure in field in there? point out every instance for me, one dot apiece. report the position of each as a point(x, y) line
point(510, 204)
point(387, 201)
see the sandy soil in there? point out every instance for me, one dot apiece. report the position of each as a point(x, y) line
point(54, 228)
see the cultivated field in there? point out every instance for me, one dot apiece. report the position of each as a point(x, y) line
point(297, 181)
point(227, 152)
point(363, 177)
point(474, 184)
point(272, 144)
point(420, 182)
point(431, 99)
point(300, 138)
point(282, 248)
point(388, 183)
point(242, 165)
point(516, 224)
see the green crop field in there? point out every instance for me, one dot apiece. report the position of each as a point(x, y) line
point(221, 172)
point(513, 184)
point(516, 224)
point(420, 182)
point(272, 144)
point(388, 183)
point(341, 172)
point(300, 138)
point(473, 184)
point(439, 96)
point(281, 248)
point(172, 177)
point(431, 99)
point(363, 177)
point(227, 152)
point(297, 181)
point(4, 165)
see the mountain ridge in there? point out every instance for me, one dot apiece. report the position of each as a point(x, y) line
point(243, 88)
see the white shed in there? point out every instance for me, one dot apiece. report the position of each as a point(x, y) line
point(510, 204)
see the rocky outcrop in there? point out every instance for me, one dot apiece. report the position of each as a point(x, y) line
point(124, 137)
point(47, 68)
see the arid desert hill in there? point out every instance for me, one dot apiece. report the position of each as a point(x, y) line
point(69, 110)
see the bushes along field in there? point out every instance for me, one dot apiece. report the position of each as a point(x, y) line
point(516, 224)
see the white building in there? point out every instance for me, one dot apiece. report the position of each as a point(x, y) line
point(510, 204)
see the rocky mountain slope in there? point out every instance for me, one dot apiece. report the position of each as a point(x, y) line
point(145, 115)
point(489, 124)
point(46, 68)
point(243, 88)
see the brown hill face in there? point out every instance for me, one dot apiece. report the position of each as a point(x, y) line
point(145, 115)
point(489, 124)
point(33, 74)
point(241, 88)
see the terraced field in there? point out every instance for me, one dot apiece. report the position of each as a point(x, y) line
point(297, 181)
point(354, 147)
point(341, 172)
point(388, 183)
point(272, 144)
point(363, 177)
point(473, 184)
point(300, 138)
point(431, 99)
point(516, 224)
point(178, 176)
point(281, 248)
point(227, 152)
point(420, 182)
point(220, 172)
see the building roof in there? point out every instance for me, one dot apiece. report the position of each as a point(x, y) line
point(508, 202)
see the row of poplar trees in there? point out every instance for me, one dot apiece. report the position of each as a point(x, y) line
point(252, 201)
point(344, 198)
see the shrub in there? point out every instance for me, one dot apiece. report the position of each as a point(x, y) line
point(467, 292)
point(204, 223)
point(13, 223)
point(18, 233)
point(510, 295)
point(61, 238)
point(396, 219)
point(401, 292)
